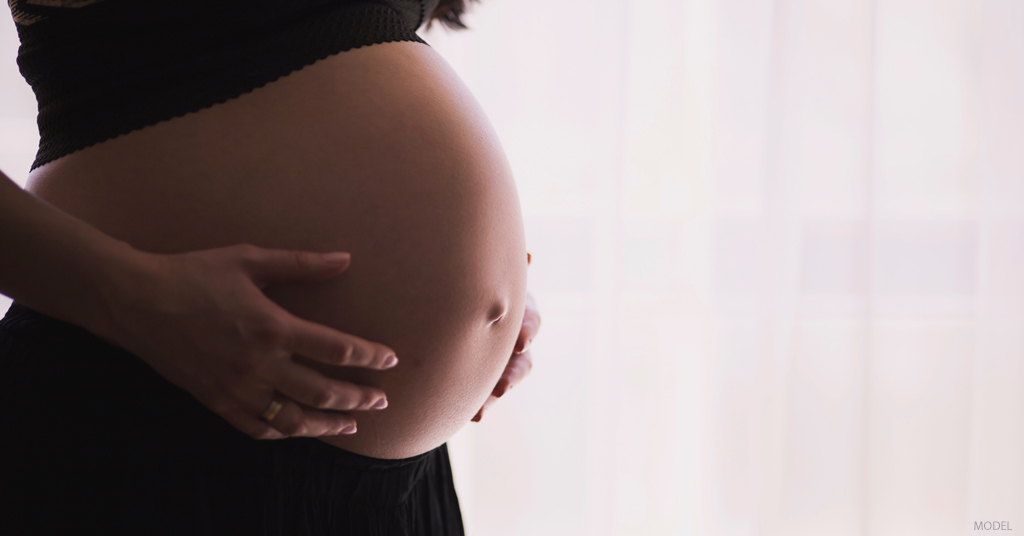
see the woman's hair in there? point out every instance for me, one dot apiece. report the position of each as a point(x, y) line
point(449, 13)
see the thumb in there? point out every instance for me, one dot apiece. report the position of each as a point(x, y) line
point(272, 266)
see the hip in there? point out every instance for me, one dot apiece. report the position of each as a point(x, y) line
point(90, 432)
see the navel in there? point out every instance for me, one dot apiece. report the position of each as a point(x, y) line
point(497, 312)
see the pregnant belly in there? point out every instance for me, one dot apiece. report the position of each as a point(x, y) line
point(379, 151)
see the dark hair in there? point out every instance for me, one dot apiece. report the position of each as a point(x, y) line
point(449, 13)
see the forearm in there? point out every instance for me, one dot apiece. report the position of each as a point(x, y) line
point(54, 262)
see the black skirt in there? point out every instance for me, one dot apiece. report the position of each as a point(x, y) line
point(93, 441)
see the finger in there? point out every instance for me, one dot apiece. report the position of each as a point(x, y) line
point(295, 421)
point(330, 346)
point(523, 341)
point(271, 266)
point(530, 326)
point(480, 414)
point(519, 366)
point(490, 401)
point(251, 426)
point(318, 391)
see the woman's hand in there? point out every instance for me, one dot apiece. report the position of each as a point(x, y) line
point(201, 321)
point(521, 362)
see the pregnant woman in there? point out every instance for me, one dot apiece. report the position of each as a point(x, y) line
point(171, 302)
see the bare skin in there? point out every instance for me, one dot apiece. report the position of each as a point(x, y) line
point(380, 152)
point(198, 318)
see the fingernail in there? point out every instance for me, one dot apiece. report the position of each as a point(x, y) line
point(526, 346)
point(390, 361)
point(348, 430)
point(381, 404)
point(335, 258)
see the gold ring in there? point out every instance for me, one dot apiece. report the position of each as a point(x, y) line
point(272, 411)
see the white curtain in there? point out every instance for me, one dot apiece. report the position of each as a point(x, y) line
point(778, 246)
point(779, 251)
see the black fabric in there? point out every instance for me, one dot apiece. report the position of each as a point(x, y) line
point(93, 441)
point(113, 66)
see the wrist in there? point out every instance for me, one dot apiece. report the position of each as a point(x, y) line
point(118, 275)
point(60, 265)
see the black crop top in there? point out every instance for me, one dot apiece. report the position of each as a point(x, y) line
point(103, 68)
